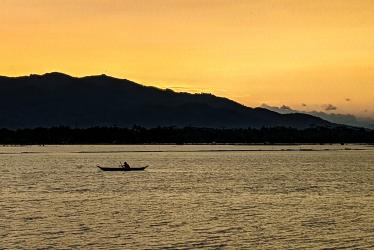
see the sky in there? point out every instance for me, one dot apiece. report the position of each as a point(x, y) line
point(305, 54)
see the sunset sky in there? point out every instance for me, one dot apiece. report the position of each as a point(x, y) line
point(307, 54)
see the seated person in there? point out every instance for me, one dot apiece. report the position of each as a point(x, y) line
point(126, 165)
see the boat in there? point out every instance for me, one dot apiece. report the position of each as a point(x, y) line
point(122, 169)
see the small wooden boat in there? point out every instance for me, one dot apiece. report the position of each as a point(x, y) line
point(122, 169)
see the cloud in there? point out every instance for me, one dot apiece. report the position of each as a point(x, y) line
point(329, 107)
point(285, 107)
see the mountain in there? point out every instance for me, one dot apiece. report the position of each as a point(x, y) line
point(57, 99)
point(346, 119)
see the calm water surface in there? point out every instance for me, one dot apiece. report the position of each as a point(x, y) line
point(211, 197)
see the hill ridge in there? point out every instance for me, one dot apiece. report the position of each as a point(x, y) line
point(55, 99)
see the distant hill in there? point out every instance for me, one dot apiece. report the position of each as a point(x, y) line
point(56, 99)
point(346, 119)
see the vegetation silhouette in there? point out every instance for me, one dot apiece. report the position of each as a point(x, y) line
point(141, 135)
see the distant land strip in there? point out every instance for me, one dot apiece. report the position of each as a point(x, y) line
point(195, 151)
point(188, 135)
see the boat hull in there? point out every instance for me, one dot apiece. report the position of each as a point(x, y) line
point(122, 169)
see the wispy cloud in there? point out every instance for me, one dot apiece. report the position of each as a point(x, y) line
point(285, 107)
point(329, 107)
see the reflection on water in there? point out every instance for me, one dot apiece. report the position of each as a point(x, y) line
point(190, 197)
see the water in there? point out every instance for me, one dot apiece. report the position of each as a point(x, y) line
point(211, 197)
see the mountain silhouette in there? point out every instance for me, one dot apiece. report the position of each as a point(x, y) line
point(56, 99)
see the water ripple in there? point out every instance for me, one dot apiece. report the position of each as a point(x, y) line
point(217, 198)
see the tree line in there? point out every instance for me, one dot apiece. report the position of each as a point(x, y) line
point(141, 135)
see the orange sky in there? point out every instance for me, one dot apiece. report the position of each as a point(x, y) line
point(277, 52)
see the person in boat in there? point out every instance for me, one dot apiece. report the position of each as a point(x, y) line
point(126, 165)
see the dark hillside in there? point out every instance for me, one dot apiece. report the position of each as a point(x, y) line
point(56, 99)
